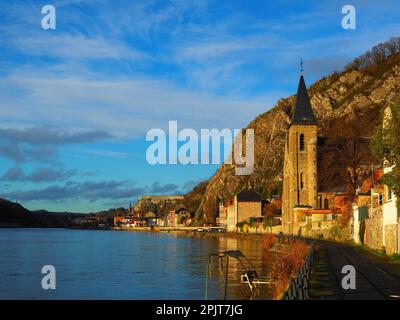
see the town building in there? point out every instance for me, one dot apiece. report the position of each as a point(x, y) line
point(222, 214)
point(150, 218)
point(390, 207)
point(376, 217)
point(178, 216)
point(240, 208)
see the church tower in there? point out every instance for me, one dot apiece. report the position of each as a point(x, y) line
point(300, 164)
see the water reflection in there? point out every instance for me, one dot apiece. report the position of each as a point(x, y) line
point(118, 265)
point(253, 251)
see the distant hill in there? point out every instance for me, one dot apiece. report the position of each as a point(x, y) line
point(47, 219)
point(14, 215)
point(354, 97)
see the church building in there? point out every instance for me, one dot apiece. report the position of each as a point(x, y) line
point(306, 205)
point(300, 190)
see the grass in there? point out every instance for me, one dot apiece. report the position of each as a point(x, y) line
point(395, 258)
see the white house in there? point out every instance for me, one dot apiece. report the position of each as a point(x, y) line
point(390, 219)
point(391, 212)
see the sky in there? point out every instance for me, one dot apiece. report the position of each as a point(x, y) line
point(76, 102)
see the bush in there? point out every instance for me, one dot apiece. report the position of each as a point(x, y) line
point(243, 226)
point(286, 266)
point(268, 241)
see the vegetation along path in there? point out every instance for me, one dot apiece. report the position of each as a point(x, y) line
point(377, 276)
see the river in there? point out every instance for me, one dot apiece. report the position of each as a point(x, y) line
point(94, 264)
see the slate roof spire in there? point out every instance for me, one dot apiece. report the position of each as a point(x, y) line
point(303, 113)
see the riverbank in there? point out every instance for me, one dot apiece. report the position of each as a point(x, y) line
point(193, 232)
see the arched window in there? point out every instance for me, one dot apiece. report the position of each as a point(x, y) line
point(301, 142)
point(301, 181)
point(326, 203)
point(320, 202)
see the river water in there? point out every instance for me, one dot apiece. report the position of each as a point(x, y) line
point(93, 264)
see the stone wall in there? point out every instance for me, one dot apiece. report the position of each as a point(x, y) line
point(261, 230)
point(231, 218)
point(247, 210)
point(391, 234)
point(374, 229)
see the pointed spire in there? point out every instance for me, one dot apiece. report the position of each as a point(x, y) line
point(303, 113)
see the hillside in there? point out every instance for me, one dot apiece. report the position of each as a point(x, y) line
point(160, 205)
point(352, 98)
point(14, 215)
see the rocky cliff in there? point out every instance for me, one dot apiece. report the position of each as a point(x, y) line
point(354, 96)
point(159, 205)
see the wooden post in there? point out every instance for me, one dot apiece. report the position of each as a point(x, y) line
point(226, 276)
point(206, 284)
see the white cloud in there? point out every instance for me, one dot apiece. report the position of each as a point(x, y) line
point(127, 107)
point(75, 47)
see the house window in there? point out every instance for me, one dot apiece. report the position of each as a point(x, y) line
point(301, 181)
point(301, 142)
point(389, 193)
point(326, 203)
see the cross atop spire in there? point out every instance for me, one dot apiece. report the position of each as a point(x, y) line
point(301, 66)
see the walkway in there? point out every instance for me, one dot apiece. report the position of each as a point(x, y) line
point(376, 277)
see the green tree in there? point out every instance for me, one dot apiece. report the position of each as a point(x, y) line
point(386, 145)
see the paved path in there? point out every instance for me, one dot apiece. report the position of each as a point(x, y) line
point(376, 278)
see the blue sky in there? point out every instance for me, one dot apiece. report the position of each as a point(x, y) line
point(76, 102)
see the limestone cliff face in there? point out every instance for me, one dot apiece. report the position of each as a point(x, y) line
point(354, 95)
point(160, 205)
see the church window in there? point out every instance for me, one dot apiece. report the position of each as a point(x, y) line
point(326, 203)
point(301, 142)
point(301, 181)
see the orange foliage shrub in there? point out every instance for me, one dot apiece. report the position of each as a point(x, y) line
point(268, 241)
point(285, 267)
